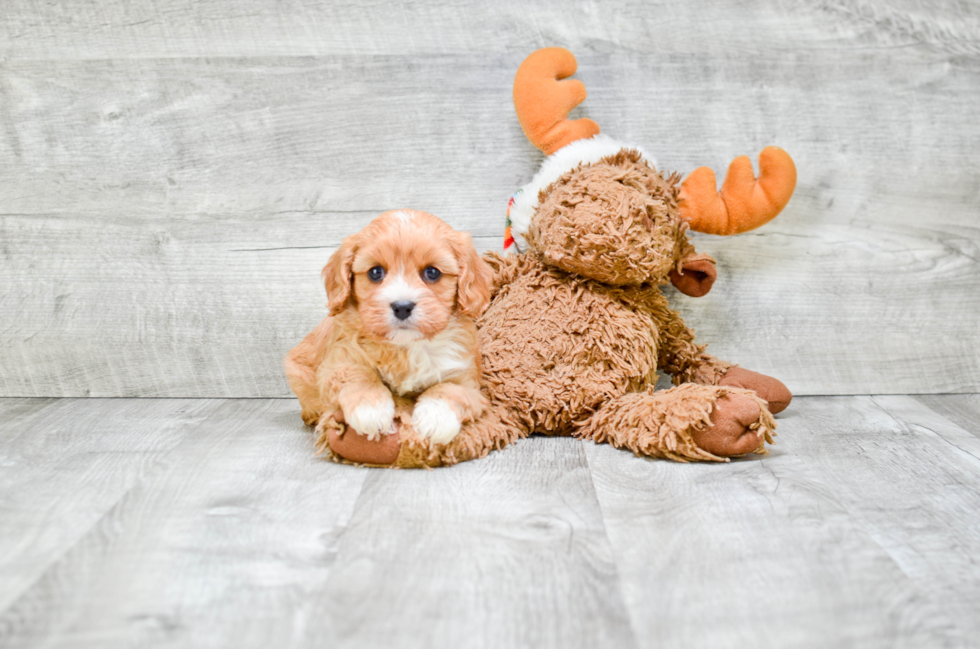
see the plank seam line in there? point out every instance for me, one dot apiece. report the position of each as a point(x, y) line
point(156, 467)
point(605, 531)
point(909, 425)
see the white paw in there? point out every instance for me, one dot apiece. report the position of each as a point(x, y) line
point(373, 419)
point(433, 418)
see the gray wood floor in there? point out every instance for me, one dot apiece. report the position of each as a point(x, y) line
point(143, 523)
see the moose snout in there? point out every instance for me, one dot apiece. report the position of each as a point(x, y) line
point(402, 309)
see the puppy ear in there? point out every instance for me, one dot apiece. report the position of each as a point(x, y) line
point(473, 281)
point(338, 276)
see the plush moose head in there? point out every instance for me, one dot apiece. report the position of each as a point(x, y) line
point(600, 209)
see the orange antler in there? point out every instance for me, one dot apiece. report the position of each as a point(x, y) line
point(743, 203)
point(543, 100)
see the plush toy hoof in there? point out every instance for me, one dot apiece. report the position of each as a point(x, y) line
point(771, 390)
point(734, 427)
point(347, 444)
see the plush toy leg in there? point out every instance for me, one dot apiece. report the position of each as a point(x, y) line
point(771, 390)
point(403, 448)
point(688, 422)
point(341, 443)
point(492, 431)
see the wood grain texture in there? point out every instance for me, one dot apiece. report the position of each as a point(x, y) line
point(176, 523)
point(219, 544)
point(176, 175)
point(235, 28)
point(855, 531)
point(66, 463)
point(961, 409)
point(507, 552)
point(240, 537)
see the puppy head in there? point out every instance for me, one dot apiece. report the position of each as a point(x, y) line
point(406, 274)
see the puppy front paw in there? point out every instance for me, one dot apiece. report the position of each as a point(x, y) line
point(436, 420)
point(373, 419)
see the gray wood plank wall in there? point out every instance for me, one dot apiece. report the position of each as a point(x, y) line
point(174, 174)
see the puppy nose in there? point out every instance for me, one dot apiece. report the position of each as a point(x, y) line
point(402, 309)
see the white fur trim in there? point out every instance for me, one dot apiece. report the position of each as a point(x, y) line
point(560, 162)
point(433, 418)
point(371, 420)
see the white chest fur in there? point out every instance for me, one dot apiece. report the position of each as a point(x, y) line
point(426, 363)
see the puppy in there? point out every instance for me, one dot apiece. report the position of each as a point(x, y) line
point(403, 295)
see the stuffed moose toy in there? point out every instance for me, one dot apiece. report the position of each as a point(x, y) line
point(577, 327)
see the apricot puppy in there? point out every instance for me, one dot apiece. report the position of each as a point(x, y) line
point(403, 295)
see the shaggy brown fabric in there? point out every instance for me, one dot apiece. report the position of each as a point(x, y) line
point(666, 424)
point(561, 345)
point(615, 221)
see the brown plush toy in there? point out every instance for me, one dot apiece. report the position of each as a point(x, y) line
point(578, 327)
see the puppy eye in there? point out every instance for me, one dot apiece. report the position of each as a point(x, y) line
point(376, 274)
point(431, 274)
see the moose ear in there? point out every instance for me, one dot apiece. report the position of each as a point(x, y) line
point(696, 276)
